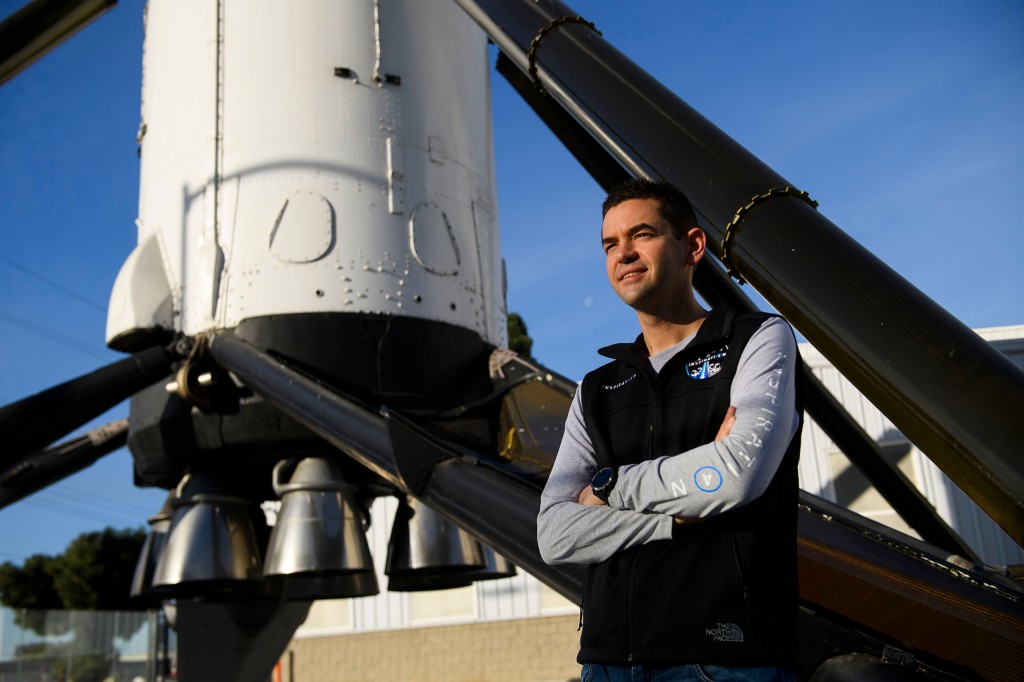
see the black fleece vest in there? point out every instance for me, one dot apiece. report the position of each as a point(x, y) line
point(722, 591)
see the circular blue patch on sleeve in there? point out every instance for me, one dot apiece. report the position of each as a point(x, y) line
point(708, 479)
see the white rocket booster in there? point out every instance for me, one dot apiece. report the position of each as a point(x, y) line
point(319, 157)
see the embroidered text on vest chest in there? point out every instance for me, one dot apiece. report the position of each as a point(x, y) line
point(612, 387)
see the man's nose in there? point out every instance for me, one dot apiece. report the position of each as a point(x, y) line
point(627, 254)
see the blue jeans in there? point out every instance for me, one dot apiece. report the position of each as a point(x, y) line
point(596, 672)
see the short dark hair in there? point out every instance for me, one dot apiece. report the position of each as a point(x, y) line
point(673, 205)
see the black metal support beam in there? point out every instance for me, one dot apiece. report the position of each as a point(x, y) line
point(951, 393)
point(715, 286)
point(498, 509)
point(38, 27)
point(53, 464)
point(33, 423)
point(605, 170)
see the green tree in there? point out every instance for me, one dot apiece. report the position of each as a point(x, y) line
point(94, 572)
point(518, 337)
point(30, 589)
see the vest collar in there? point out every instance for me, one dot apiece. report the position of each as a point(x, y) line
point(716, 327)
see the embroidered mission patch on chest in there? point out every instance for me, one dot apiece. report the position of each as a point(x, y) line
point(707, 366)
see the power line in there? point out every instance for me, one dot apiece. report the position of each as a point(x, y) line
point(81, 511)
point(56, 285)
point(54, 336)
point(16, 555)
point(92, 500)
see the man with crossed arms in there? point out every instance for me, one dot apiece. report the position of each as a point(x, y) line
point(676, 478)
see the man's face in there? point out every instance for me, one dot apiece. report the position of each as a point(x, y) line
point(646, 263)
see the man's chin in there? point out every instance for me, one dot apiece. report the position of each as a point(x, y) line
point(632, 297)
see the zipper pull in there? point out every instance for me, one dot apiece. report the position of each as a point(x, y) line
point(650, 442)
point(580, 627)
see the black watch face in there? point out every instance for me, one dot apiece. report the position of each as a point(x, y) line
point(601, 479)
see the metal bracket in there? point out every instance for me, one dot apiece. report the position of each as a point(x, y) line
point(416, 452)
point(200, 381)
point(730, 229)
point(531, 57)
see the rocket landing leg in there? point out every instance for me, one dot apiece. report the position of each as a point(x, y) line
point(238, 641)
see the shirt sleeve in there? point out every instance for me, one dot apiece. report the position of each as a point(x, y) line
point(722, 475)
point(569, 532)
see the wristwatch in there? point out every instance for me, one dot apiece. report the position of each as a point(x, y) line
point(603, 483)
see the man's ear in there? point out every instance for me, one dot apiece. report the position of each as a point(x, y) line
point(696, 240)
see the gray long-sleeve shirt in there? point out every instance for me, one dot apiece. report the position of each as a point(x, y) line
point(649, 494)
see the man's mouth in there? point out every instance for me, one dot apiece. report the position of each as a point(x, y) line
point(630, 274)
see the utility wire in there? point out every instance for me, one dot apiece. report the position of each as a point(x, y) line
point(82, 511)
point(54, 336)
point(92, 500)
point(21, 556)
point(56, 285)
point(73, 511)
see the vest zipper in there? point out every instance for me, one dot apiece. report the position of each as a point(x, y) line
point(631, 617)
point(742, 574)
point(630, 607)
point(655, 414)
point(583, 595)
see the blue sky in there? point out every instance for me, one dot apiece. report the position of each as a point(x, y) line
point(904, 120)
